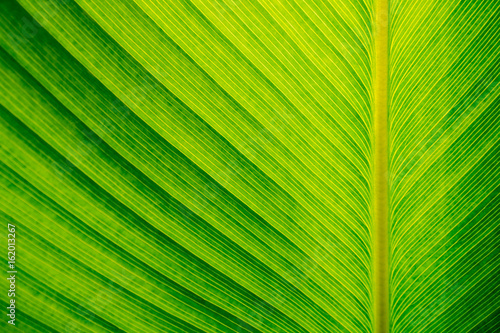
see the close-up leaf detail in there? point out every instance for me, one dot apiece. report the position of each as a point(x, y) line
point(251, 165)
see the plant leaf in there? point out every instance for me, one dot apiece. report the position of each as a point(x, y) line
point(214, 166)
point(444, 184)
point(139, 134)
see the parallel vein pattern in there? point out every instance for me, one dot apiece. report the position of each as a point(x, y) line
point(189, 166)
point(444, 187)
point(208, 165)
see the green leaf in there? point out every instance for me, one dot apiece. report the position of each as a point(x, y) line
point(444, 183)
point(251, 166)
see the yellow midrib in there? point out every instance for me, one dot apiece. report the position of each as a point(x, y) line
point(381, 161)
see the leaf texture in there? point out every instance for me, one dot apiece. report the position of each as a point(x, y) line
point(156, 152)
point(444, 185)
point(208, 166)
